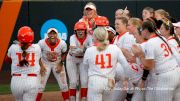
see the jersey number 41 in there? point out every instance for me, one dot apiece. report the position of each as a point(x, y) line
point(100, 60)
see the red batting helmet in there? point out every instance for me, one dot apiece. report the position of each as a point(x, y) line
point(101, 21)
point(80, 25)
point(25, 35)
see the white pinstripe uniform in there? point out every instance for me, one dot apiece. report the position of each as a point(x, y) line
point(163, 83)
point(51, 56)
point(126, 41)
point(138, 94)
point(74, 65)
point(24, 82)
point(102, 66)
point(175, 48)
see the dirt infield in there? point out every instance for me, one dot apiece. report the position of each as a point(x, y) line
point(47, 96)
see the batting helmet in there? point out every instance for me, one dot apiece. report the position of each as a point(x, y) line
point(80, 25)
point(25, 35)
point(101, 21)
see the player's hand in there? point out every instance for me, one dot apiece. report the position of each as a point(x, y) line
point(142, 84)
point(111, 83)
point(137, 51)
point(125, 84)
point(42, 70)
point(59, 68)
point(130, 58)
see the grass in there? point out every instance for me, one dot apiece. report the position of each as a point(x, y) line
point(5, 88)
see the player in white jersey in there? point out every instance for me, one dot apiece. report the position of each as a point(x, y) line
point(89, 16)
point(101, 61)
point(79, 42)
point(25, 66)
point(134, 27)
point(53, 54)
point(167, 30)
point(163, 83)
point(125, 41)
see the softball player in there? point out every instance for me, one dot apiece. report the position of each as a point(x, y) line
point(89, 15)
point(79, 42)
point(167, 30)
point(25, 66)
point(134, 25)
point(147, 13)
point(101, 66)
point(125, 41)
point(163, 83)
point(53, 55)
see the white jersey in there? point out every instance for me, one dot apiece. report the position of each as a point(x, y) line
point(104, 63)
point(175, 48)
point(125, 40)
point(52, 54)
point(157, 50)
point(81, 46)
point(33, 56)
point(138, 61)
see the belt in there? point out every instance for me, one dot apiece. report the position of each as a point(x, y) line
point(24, 74)
point(76, 56)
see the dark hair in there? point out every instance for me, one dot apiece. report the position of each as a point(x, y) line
point(173, 20)
point(23, 62)
point(150, 25)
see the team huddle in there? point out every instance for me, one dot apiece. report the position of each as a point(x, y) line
point(133, 60)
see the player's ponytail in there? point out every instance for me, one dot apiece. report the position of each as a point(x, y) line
point(150, 25)
point(23, 62)
point(101, 35)
point(169, 26)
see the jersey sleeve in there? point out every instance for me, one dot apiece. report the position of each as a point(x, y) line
point(90, 41)
point(40, 43)
point(85, 60)
point(38, 50)
point(10, 51)
point(72, 41)
point(149, 50)
point(122, 60)
point(64, 46)
point(129, 41)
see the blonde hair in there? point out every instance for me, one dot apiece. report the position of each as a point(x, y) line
point(101, 34)
point(95, 11)
point(136, 22)
point(162, 12)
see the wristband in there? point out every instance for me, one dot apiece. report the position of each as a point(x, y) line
point(145, 74)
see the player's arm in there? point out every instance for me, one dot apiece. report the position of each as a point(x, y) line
point(130, 58)
point(60, 64)
point(42, 68)
point(8, 59)
point(8, 56)
point(122, 60)
point(148, 63)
